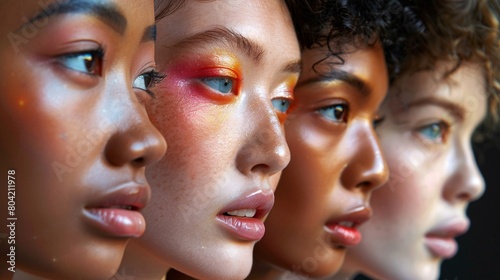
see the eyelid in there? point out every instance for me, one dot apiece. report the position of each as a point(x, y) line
point(218, 72)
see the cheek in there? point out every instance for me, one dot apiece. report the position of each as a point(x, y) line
point(315, 161)
point(202, 139)
point(408, 197)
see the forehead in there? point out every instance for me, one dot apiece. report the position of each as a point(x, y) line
point(366, 64)
point(266, 22)
point(464, 88)
point(465, 83)
point(16, 14)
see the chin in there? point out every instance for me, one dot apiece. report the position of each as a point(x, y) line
point(226, 263)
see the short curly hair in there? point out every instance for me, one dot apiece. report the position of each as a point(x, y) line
point(460, 31)
point(341, 24)
point(164, 8)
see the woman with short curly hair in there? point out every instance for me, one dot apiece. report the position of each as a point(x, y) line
point(448, 86)
point(336, 161)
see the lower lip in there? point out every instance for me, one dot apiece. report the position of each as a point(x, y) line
point(344, 236)
point(243, 228)
point(441, 247)
point(116, 222)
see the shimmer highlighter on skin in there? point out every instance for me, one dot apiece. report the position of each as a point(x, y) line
point(75, 132)
point(231, 68)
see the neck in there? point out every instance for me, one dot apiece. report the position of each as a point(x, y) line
point(140, 264)
point(264, 271)
point(345, 273)
point(22, 275)
point(26, 276)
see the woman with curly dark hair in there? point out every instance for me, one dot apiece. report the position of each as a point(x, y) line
point(323, 195)
point(449, 84)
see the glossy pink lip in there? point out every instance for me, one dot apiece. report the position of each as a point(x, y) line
point(247, 228)
point(342, 235)
point(117, 212)
point(440, 241)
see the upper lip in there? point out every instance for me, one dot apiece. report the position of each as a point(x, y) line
point(357, 216)
point(450, 229)
point(130, 195)
point(257, 199)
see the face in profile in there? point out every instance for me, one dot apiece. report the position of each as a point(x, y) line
point(231, 68)
point(76, 134)
point(426, 135)
point(323, 195)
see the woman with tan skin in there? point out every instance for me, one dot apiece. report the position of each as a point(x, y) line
point(221, 108)
point(323, 195)
point(451, 82)
point(75, 134)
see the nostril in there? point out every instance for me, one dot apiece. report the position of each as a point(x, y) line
point(261, 168)
point(141, 161)
point(464, 197)
point(365, 186)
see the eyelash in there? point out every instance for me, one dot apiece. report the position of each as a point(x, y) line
point(378, 120)
point(155, 78)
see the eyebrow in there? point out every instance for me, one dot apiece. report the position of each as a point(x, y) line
point(226, 37)
point(149, 34)
point(293, 67)
point(107, 13)
point(456, 110)
point(343, 76)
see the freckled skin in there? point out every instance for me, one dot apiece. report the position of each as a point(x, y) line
point(432, 182)
point(72, 138)
point(334, 168)
point(220, 147)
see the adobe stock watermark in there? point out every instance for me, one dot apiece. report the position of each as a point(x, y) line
point(321, 253)
point(32, 26)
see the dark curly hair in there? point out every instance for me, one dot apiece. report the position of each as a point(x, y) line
point(341, 24)
point(164, 8)
point(461, 31)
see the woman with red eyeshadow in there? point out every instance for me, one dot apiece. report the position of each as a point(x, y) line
point(75, 134)
point(231, 66)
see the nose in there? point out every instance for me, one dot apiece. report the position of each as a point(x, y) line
point(365, 168)
point(134, 141)
point(265, 149)
point(466, 183)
